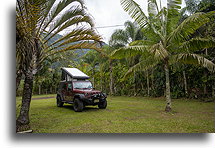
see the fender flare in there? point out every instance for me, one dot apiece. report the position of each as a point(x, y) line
point(79, 96)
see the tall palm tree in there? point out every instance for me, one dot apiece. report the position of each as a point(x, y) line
point(167, 41)
point(37, 24)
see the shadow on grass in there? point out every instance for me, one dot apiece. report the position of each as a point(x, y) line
point(86, 109)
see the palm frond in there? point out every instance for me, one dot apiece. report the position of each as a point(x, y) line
point(142, 42)
point(158, 51)
point(131, 30)
point(119, 37)
point(174, 4)
point(147, 62)
point(71, 14)
point(173, 15)
point(78, 45)
point(196, 44)
point(56, 10)
point(195, 59)
point(189, 26)
point(69, 23)
point(135, 12)
point(129, 51)
point(75, 32)
point(45, 13)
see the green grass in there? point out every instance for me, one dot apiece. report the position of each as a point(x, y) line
point(124, 115)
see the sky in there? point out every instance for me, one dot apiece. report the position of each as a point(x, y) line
point(110, 13)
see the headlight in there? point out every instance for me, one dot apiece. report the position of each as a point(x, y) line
point(104, 94)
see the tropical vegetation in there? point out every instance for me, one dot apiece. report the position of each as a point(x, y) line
point(167, 52)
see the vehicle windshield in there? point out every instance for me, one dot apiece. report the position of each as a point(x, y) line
point(82, 85)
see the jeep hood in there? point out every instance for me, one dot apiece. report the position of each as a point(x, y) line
point(89, 91)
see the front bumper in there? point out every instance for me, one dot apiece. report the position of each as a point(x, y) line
point(94, 99)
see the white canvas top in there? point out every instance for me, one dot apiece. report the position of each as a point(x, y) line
point(75, 73)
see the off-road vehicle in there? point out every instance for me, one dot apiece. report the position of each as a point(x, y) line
point(75, 89)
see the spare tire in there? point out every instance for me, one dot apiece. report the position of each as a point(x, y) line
point(78, 105)
point(59, 102)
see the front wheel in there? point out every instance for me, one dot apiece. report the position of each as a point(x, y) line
point(103, 104)
point(78, 105)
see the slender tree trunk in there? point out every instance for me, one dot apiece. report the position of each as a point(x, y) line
point(147, 81)
point(111, 77)
point(185, 83)
point(205, 85)
point(22, 122)
point(168, 95)
point(94, 85)
point(101, 81)
point(213, 89)
point(205, 74)
point(152, 81)
point(135, 91)
point(39, 89)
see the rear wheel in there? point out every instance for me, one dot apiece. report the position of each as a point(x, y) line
point(102, 105)
point(59, 102)
point(78, 105)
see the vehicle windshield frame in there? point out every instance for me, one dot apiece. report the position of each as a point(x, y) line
point(82, 85)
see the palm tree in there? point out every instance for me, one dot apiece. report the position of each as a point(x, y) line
point(37, 24)
point(167, 41)
point(121, 38)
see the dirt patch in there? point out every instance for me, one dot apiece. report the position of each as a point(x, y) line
point(42, 98)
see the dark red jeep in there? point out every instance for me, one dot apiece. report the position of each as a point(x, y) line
point(77, 90)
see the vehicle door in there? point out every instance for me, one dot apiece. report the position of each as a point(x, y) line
point(68, 95)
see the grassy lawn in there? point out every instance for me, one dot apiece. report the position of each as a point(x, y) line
point(123, 115)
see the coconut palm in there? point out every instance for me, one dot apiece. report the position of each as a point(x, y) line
point(37, 24)
point(166, 42)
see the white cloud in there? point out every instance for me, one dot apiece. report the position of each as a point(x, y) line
point(110, 13)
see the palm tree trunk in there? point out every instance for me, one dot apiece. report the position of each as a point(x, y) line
point(168, 95)
point(185, 83)
point(18, 78)
point(22, 122)
point(111, 77)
